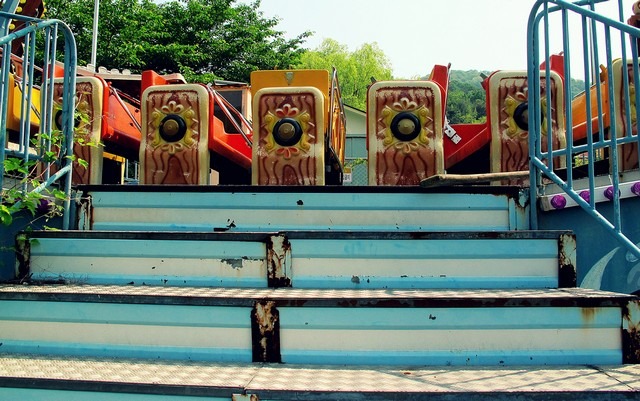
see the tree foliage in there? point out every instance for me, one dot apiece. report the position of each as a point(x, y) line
point(355, 69)
point(466, 102)
point(202, 39)
point(577, 87)
point(466, 99)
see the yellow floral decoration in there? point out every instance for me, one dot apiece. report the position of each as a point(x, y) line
point(302, 117)
point(423, 113)
point(187, 114)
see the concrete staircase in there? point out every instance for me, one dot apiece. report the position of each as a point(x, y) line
point(186, 293)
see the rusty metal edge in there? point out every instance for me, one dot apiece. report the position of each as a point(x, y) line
point(23, 256)
point(278, 261)
point(631, 332)
point(265, 332)
point(567, 272)
point(263, 236)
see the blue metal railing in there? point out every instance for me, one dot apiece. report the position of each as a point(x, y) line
point(8, 6)
point(587, 37)
point(43, 35)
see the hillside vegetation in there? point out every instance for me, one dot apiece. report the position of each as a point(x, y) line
point(466, 101)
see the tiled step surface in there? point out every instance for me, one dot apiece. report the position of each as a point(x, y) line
point(312, 293)
point(223, 208)
point(304, 259)
point(433, 327)
point(25, 377)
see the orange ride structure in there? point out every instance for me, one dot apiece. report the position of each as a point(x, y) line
point(475, 264)
point(182, 132)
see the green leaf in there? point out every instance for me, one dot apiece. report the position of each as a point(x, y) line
point(58, 194)
point(49, 156)
point(12, 164)
point(209, 38)
point(5, 215)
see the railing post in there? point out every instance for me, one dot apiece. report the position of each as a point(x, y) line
point(70, 63)
point(615, 100)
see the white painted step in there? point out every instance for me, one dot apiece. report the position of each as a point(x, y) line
point(304, 259)
point(351, 327)
point(246, 208)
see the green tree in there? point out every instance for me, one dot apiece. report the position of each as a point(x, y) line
point(466, 101)
point(203, 39)
point(466, 98)
point(577, 87)
point(355, 69)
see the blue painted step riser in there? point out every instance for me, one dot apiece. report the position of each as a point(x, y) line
point(314, 263)
point(33, 394)
point(207, 212)
point(316, 335)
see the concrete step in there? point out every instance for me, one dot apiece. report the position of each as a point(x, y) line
point(303, 259)
point(246, 208)
point(351, 327)
point(50, 378)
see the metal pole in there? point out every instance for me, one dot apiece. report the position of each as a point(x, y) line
point(94, 41)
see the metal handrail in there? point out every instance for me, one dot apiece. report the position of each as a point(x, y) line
point(541, 160)
point(335, 96)
point(118, 95)
point(8, 6)
point(50, 30)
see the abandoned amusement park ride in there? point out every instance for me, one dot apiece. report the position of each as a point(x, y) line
point(490, 261)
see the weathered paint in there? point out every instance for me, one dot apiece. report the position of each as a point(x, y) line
point(304, 259)
point(567, 274)
point(278, 261)
point(440, 336)
point(127, 330)
point(519, 210)
point(245, 397)
point(265, 330)
point(239, 210)
point(424, 261)
point(631, 332)
point(23, 257)
point(316, 326)
point(214, 259)
point(84, 211)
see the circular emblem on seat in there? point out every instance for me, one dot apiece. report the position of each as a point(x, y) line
point(406, 126)
point(287, 132)
point(173, 128)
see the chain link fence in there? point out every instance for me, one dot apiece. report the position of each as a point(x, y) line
point(359, 172)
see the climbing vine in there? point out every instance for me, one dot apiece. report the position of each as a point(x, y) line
point(24, 176)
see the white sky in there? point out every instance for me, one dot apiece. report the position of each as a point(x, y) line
point(417, 34)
